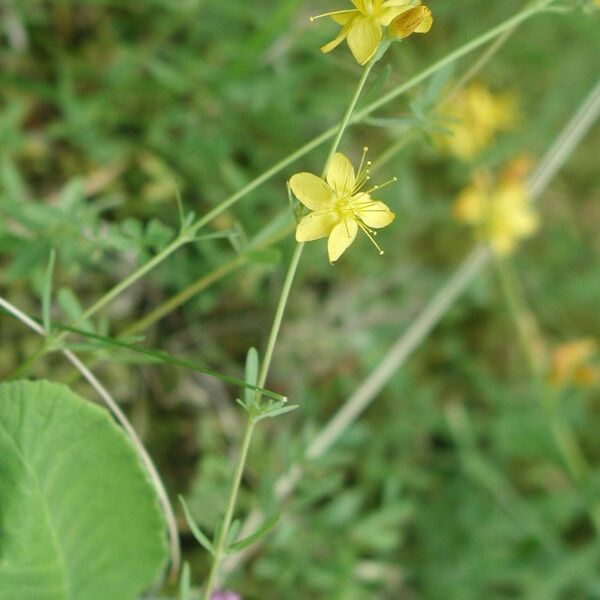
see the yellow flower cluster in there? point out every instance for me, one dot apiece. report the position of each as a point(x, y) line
point(475, 117)
point(572, 363)
point(339, 206)
point(502, 213)
point(362, 26)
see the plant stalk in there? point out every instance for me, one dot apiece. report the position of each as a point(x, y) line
point(254, 410)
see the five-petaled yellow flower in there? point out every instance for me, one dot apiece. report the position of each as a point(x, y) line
point(476, 116)
point(339, 207)
point(362, 25)
point(501, 214)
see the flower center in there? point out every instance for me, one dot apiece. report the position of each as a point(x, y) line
point(368, 7)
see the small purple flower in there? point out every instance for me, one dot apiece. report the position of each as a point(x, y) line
point(225, 595)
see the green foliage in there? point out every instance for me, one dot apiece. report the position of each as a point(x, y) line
point(80, 520)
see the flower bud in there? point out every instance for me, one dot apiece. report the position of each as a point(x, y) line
point(414, 20)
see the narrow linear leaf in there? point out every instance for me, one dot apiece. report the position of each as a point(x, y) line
point(201, 538)
point(180, 208)
point(47, 291)
point(185, 582)
point(164, 357)
point(250, 375)
point(218, 235)
point(233, 531)
point(257, 535)
point(277, 411)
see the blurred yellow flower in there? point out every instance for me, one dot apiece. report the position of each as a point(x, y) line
point(476, 116)
point(339, 207)
point(502, 214)
point(572, 363)
point(362, 25)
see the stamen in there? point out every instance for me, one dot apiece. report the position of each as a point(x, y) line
point(381, 185)
point(335, 12)
point(369, 233)
point(362, 162)
point(359, 184)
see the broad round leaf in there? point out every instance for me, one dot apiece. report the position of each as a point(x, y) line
point(79, 519)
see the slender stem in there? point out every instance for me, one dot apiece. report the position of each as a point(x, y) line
point(266, 362)
point(231, 502)
point(347, 115)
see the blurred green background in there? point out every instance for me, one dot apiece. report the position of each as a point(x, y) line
point(451, 484)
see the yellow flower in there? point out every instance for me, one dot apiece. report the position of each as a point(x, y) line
point(501, 214)
point(476, 116)
point(339, 207)
point(362, 25)
point(572, 363)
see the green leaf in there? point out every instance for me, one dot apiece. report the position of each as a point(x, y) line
point(169, 359)
point(70, 305)
point(436, 85)
point(47, 291)
point(180, 209)
point(196, 531)
point(251, 376)
point(79, 518)
point(234, 529)
point(376, 88)
point(257, 535)
point(277, 410)
point(185, 582)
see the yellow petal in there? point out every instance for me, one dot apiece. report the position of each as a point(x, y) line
point(343, 17)
point(525, 223)
point(311, 190)
point(315, 226)
point(363, 38)
point(342, 235)
point(340, 174)
point(339, 39)
point(417, 19)
point(389, 13)
point(400, 3)
point(376, 214)
point(426, 23)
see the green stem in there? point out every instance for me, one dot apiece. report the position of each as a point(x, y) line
point(253, 412)
point(235, 486)
point(347, 115)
